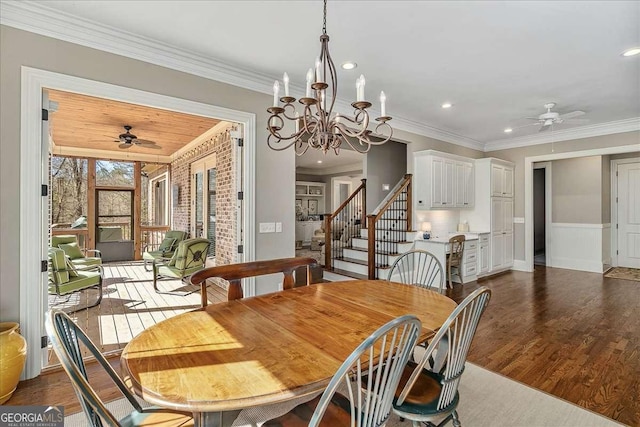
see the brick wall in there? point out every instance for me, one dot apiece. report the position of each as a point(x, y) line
point(222, 146)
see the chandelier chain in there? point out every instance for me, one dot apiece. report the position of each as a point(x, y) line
point(324, 22)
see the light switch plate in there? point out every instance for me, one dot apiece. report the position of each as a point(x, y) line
point(278, 227)
point(267, 227)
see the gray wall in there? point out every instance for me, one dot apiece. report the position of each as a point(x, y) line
point(517, 156)
point(384, 164)
point(18, 48)
point(577, 190)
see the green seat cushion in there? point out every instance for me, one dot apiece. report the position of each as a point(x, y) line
point(151, 255)
point(63, 238)
point(58, 271)
point(85, 279)
point(191, 253)
point(425, 393)
point(86, 262)
point(71, 250)
point(169, 271)
point(175, 234)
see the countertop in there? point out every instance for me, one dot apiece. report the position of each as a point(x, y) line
point(442, 239)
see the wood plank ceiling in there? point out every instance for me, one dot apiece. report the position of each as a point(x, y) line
point(86, 122)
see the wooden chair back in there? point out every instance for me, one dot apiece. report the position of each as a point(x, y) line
point(234, 273)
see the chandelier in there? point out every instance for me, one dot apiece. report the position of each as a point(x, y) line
point(318, 127)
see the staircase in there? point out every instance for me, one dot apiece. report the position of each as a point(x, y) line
point(369, 253)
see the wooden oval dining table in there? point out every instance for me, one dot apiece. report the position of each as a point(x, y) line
point(266, 349)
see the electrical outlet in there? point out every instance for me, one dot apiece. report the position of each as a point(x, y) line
point(278, 227)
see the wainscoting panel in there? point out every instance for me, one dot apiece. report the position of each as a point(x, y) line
point(584, 247)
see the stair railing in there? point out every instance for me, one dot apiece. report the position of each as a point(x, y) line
point(385, 232)
point(345, 223)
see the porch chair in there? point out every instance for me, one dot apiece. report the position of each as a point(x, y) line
point(368, 378)
point(168, 246)
point(189, 257)
point(68, 340)
point(69, 244)
point(66, 279)
point(234, 273)
point(420, 268)
point(454, 257)
point(427, 394)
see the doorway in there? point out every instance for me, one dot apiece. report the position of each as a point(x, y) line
point(542, 213)
point(626, 213)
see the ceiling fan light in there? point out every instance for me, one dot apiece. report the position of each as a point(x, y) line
point(349, 65)
point(508, 130)
point(631, 52)
point(447, 105)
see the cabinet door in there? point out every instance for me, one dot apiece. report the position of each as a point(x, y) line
point(469, 186)
point(507, 260)
point(507, 212)
point(448, 186)
point(460, 183)
point(497, 251)
point(497, 179)
point(507, 183)
point(437, 174)
point(484, 258)
point(497, 215)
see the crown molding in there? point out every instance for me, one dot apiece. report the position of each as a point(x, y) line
point(40, 19)
point(608, 128)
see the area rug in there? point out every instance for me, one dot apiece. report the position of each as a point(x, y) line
point(486, 399)
point(624, 273)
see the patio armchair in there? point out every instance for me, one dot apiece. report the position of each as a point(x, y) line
point(66, 279)
point(186, 260)
point(166, 249)
point(69, 244)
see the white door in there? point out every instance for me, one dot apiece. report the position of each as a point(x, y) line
point(437, 182)
point(460, 183)
point(448, 186)
point(629, 215)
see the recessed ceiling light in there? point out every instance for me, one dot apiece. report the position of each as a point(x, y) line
point(319, 161)
point(631, 52)
point(508, 130)
point(447, 105)
point(349, 65)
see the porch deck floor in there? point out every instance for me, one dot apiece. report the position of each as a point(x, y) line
point(129, 305)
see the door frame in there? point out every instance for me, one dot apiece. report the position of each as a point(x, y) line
point(614, 205)
point(335, 182)
point(34, 154)
point(548, 218)
point(527, 263)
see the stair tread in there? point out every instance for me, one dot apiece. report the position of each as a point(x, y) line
point(377, 252)
point(349, 274)
point(385, 241)
point(359, 262)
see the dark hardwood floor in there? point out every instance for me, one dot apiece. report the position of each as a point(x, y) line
point(574, 335)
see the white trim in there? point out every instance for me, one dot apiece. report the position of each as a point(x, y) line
point(528, 187)
point(32, 241)
point(614, 205)
point(40, 19)
point(199, 140)
point(520, 265)
point(548, 210)
point(608, 128)
point(59, 150)
point(580, 225)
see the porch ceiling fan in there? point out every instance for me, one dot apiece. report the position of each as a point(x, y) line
point(547, 120)
point(127, 140)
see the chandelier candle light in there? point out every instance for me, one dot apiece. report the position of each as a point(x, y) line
point(319, 127)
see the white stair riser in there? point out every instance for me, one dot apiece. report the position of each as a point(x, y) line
point(349, 266)
point(363, 256)
point(392, 247)
point(384, 234)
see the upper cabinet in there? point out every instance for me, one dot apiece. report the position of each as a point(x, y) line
point(443, 181)
point(501, 180)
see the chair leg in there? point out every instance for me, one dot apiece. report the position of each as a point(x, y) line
point(146, 265)
point(456, 420)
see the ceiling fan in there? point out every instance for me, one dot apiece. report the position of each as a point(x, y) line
point(547, 120)
point(127, 140)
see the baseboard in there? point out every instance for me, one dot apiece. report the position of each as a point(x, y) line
point(521, 265)
point(578, 264)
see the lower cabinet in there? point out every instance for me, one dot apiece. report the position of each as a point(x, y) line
point(484, 256)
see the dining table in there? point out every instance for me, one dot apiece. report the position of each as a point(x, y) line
point(271, 348)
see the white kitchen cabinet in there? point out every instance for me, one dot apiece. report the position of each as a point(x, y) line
point(310, 199)
point(501, 180)
point(443, 181)
point(484, 256)
point(493, 212)
point(440, 247)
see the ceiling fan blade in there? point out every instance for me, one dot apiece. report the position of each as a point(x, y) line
point(149, 145)
point(125, 145)
point(575, 121)
point(533, 118)
point(544, 128)
point(572, 115)
point(524, 126)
